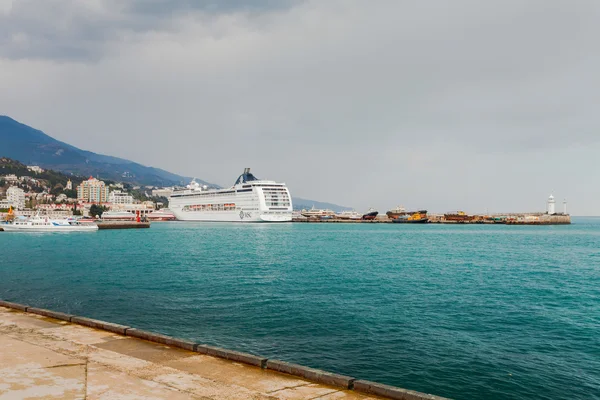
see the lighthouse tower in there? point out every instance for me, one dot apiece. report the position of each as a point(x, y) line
point(551, 205)
point(565, 207)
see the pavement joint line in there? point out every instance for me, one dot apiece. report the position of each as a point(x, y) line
point(323, 395)
point(85, 380)
point(290, 387)
point(59, 316)
point(65, 365)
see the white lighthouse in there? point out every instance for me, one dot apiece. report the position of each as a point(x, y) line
point(551, 205)
point(565, 207)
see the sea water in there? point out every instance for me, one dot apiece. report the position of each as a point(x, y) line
point(464, 311)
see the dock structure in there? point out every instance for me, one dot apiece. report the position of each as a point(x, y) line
point(49, 354)
point(383, 220)
point(505, 219)
point(123, 225)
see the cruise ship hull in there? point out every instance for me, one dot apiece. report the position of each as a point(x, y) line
point(248, 200)
point(231, 216)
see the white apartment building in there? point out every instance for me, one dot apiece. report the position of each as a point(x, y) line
point(119, 197)
point(164, 192)
point(16, 197)
point(10, 178)
point(92, 191)
point(35, 168)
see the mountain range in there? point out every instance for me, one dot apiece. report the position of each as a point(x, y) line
point(33, 147)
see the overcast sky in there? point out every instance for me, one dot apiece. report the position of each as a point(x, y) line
point(445, 105)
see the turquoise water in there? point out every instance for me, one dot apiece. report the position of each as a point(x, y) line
point(472, 311)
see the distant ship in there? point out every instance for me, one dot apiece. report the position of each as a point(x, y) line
point(161, 215)
point(370, 215)
point(396, 212)
point(401, 211)
point(419, 217)
point(317, 213)
point(118, 216)
point(44, 224)
point(459, 217)
point(349, 215)
point(249, 200)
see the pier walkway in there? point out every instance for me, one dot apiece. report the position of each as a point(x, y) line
point(42, 357)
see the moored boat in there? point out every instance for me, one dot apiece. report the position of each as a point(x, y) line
point(370, 215)
point(161, 215)
point(348, 215)
point(458, 217)
point(44, 224)
point(414, 218)
point(401, 211)
point(317, 213)
point(396, 212)
point(249, 200)
point(118, 216)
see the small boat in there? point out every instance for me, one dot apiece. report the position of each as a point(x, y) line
point(370, 215)
point(161, 215)
point(396, 212)
point(415, 218)
point(317, 213)
point(401, 211)
point(44, 224)
point(118, 216)
point(349, 215)
point(458, 217)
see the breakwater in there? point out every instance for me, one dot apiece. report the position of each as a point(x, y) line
point(315, 375)
point(123, 225)
point(504, 219)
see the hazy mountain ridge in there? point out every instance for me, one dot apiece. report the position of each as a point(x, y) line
point(300, 203)
point(33, 147)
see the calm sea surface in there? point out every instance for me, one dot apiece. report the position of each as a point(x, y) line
point(472, 311)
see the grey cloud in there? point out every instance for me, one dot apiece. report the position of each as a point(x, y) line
point(83, 31)
point(165, 7)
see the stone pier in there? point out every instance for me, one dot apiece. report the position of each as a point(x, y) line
point(52, 355)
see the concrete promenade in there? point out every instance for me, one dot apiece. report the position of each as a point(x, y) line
point(42, 357)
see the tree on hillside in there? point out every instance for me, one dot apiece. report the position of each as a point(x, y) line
point(72, 194)
point(75, 210)
point(97, 210)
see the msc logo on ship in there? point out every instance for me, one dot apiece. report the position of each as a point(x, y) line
point(245, 215)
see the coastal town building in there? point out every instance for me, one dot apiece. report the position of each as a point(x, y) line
point(35, 168)
point(54, 210)
point(92, 191)
point(69, 185)
point(143, 208)
point(4, 204)
point(164, 192)
point(16, 197)
point(10, 178)
point(119, 197)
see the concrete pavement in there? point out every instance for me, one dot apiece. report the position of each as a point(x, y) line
point(45, 358)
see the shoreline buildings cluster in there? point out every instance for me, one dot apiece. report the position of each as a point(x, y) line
point(249, 200)
point(29, 196)
point(400, 215)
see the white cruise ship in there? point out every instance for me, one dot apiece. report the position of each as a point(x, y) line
point(248, 200)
